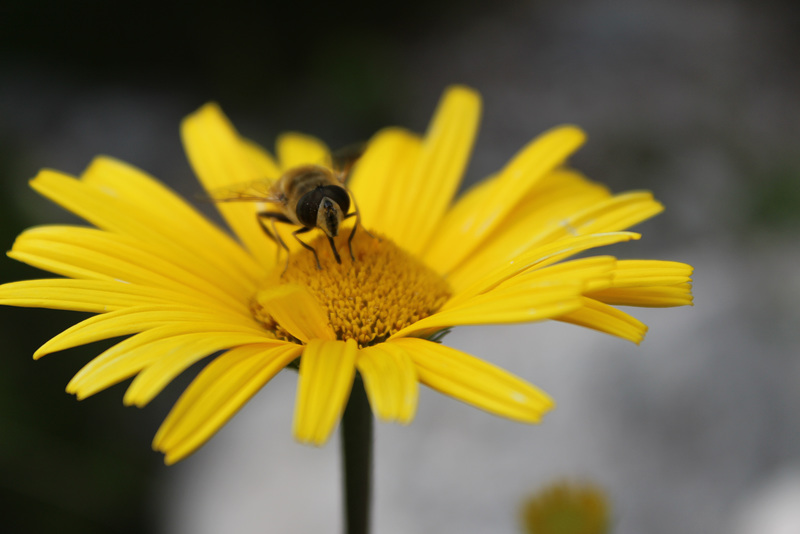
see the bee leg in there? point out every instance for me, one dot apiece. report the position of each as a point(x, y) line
point(272, 233)
point(336, 252)
point(309, 247)
point(278, 251)
point(353, 231)
point(352, 235)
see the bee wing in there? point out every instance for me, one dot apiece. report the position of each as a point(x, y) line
point(256, 191)
point(344, 158)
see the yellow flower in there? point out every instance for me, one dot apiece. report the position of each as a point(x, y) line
point(157, 271)
point(564, 508)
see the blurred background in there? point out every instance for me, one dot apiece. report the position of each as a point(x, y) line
point(696, 430)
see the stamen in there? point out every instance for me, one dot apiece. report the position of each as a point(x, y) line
point(367, 299)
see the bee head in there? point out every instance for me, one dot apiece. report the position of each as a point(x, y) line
point(324, 208)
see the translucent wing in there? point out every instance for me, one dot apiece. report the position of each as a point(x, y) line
point(345, 158)
point(256, 191)
point(264, 190)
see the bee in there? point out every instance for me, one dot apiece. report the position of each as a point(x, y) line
point(308, 196)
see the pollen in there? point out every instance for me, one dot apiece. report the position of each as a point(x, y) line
point(367, 299)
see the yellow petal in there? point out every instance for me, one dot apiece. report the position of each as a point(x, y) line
point(536, 258)
point(95, 296)
point(647, 296)
point(541, 218)
point(611, 215)
point(422, 200)
point(390, 379)
point(177, 355)
point(650, 283)
point(617, 213)
point(381, 174)
point(591, 274)
point(136, 319)
point(523, 302)
point(221, 158)
point(261, 159)
point(296, 149)
point(216, 394)
point(638, 273)
point(439, 250)
point(98, 199)
point(557, 196)
point(475, 382)
point(88, 253)
point(162, 217)
point(294, 308)
point(470, 222)
point(327, 369)
point(604, 318)
point(104, 209)
point(133, 354)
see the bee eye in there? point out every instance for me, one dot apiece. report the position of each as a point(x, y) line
point(307, 207)
point(338, 195)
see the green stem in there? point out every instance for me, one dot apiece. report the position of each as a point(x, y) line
point(357, 457)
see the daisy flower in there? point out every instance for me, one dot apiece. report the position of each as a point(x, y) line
point(180, 289)
point(567, 508)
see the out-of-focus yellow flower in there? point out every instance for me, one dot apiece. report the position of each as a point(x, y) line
point(567, 509)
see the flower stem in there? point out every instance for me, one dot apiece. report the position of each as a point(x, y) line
point(357, 456)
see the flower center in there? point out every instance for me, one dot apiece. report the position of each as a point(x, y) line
point(384, 290)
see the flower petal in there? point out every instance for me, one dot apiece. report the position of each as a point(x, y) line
point(135, 353)
point(136, 319)
point(221, 158)
point(327, 369)
point(294, 308)
point(523, 302)
point(617, 213)
point(468, 223)
point(260, 158)
point(296, 149)
point(103, 208)
point(609, 215)
point(381, 174)
point(216, 394)
point(100, 199)
point(650, 283)
point(79, 252)
point(177, 355)
point(639, 273)
point(604, 318)
point(476, 382)
point(535, 259)
point(189, 236)
point(423, 199)
point(593, 273)
point(95, 296)
point(558, 195)
point(647, 296)
point(390, 379)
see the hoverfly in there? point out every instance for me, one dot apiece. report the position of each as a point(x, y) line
point(308, 196)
